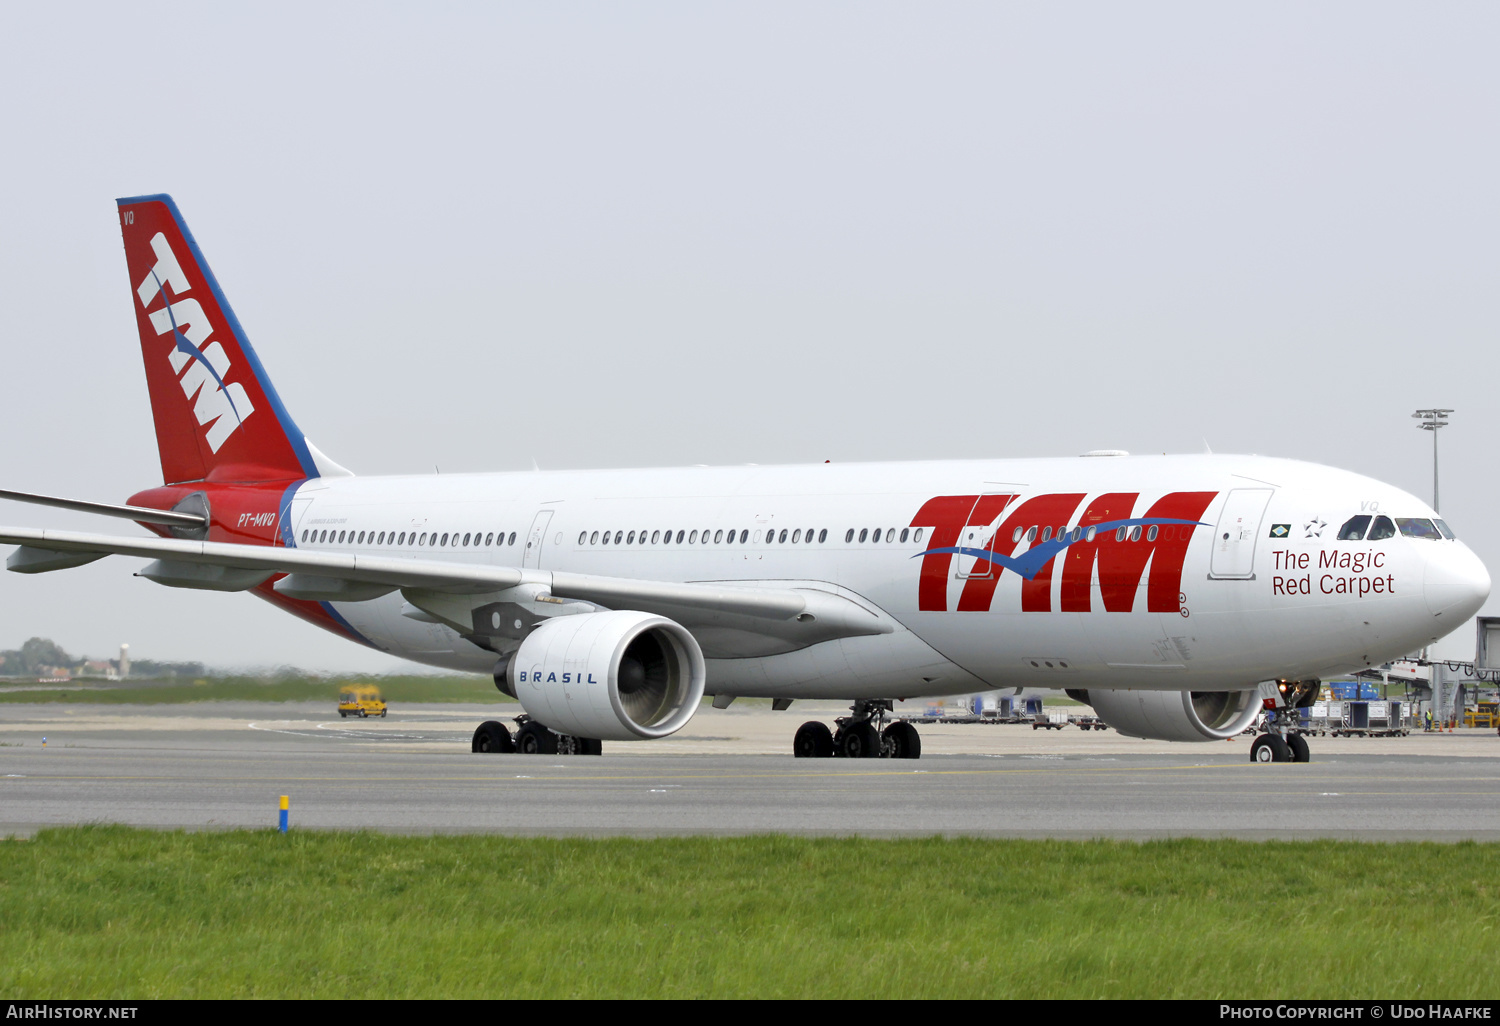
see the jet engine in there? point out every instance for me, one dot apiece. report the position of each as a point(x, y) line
point(615, 676)
point(1176, 715)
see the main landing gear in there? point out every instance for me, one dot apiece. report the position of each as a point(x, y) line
point(862, 735)
point(1283, 740)
point(531, 738)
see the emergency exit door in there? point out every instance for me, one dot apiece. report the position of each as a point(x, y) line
point(1234, 537)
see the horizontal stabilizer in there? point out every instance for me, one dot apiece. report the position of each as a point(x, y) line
point(139, 514)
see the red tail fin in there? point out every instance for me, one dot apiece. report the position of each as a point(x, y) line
point(218, 416)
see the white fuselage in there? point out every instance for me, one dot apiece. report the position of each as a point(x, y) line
point(1254, 587)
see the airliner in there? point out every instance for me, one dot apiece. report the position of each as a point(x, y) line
point(1180, 596)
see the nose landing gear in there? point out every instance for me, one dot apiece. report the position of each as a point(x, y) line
point(1283, 740)
point(864, 734)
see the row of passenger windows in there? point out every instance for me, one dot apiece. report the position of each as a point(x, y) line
point(401, 538)
point(786, 536)
point(1380, 528)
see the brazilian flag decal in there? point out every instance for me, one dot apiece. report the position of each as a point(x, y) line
point(1281, 530)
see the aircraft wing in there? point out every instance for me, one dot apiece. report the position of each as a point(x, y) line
point(737, 619)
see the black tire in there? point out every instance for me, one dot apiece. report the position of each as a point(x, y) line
point(813, 741)
point(535, 739)
point(1298, 744)
point(904, 741)
point(491, 738)
point(382, 714)
point(1270, 748)
point(860, 741)
point(342, 714)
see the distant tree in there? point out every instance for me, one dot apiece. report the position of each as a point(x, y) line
point(36, 654)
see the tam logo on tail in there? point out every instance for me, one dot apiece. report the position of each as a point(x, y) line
point(219, 406)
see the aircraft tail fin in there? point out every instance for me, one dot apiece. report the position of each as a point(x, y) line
point(217, 415)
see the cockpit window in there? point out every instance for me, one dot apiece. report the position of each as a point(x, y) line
point(1446, 531)
point(1417, 527)
point(1382, 530)
point(1354, 529)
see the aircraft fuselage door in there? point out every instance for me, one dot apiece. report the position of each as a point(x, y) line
point(1234, 538)
point(535, 538)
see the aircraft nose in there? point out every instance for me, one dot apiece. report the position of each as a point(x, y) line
point(1454, 582)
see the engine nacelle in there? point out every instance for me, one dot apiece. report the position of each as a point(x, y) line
point(1177, 715)
point(616, 676)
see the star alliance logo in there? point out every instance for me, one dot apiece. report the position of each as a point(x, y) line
point(1314, 527)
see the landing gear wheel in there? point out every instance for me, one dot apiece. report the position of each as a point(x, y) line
point(859, 741)
point(491, 738)
point(902, 741)
point(1270, 748)
point(1298, 744)
point(535, 739)
point(813, 741)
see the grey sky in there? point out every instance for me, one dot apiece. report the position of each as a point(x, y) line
point(614, 235)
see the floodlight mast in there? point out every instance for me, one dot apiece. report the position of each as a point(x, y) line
point(1431, 421)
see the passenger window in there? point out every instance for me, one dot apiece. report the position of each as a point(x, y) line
point(605, 538)
point(848, 536)
point(1151, 533)
point(512, 539)
point(401, 539)
point(904, 532)
point(679, 537)
point(489, 539)
point(654, 536)
point(1446, 532)
point(583, 537)
point(718, 537)
point(423, 539)
point(796, 536)
point(744, 536)
point(1093, 533)
point(890, 535)
point(782, 538)
point(1015, 536)
point(1382, 529)
point(875, 535)
point(1135, 533)
point(864, 532)
point(630, 538)
point(381, 539)
point(1120, 533)
point(1417, 528)
point(466, 541)
point(1354, 529)
point(822, 536)
point(917, 537)
point(1030, 535)
point(304, 536)
point(1046, 534)
point(445, 539)
point(693, 538)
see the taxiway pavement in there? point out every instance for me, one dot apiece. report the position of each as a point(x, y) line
point(222, 765)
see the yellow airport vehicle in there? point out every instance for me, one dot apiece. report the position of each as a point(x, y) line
point(1487, 715)
point(361, 700)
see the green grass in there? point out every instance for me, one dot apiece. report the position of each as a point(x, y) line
point(259, 689)
point(112, 911)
